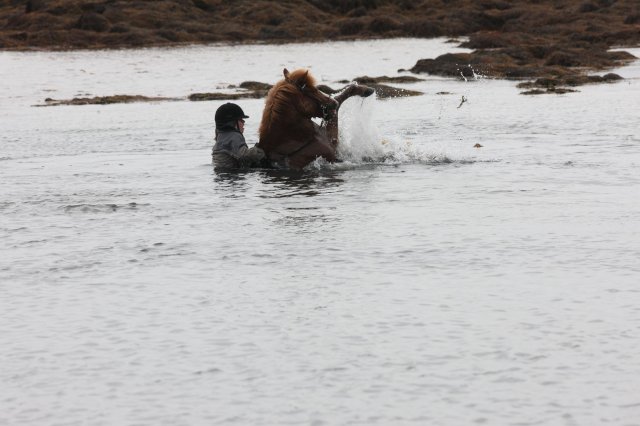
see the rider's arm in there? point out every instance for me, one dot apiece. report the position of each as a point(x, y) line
point(246, 156)
point(250, 156)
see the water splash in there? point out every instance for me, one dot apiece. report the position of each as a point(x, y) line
point(475, 74)
point(359, 135)
point(362, 143)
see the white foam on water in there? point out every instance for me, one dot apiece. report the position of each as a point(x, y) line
point(362, 142)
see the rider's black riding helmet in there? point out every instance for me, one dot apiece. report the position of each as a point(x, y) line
point(229, 112)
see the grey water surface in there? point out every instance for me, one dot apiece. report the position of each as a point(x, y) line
point(421, 281)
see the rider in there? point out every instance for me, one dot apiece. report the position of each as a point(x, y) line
point(230, 150)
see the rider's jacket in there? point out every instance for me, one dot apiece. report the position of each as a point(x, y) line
point(231, 151)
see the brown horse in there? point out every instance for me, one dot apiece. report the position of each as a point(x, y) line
point(288, 136)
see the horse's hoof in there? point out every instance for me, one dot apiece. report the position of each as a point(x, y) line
point(368, 92)
point(362, 90)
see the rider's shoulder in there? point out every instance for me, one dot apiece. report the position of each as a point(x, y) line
point(230, 135)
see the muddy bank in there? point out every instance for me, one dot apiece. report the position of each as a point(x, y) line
point(554, 43)
point(66, 24)
point(512, 39)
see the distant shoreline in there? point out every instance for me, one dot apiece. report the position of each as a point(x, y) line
point(453, 40)
point(549, 44)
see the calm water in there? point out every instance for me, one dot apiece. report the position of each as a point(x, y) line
point(423, 281)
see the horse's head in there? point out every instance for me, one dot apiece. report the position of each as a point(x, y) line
point(312, 102)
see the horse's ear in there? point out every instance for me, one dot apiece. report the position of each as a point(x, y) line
point(286, 74)
point(301, 81)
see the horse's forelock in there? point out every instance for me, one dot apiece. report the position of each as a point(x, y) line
point(302, 75)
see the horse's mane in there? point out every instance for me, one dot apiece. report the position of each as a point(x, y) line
point(278, 102)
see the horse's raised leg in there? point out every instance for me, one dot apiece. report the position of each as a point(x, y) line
point(352, 89)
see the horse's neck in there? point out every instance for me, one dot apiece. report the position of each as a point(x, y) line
point(297, 124)
point(288, 129)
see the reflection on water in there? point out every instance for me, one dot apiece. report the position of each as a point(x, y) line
point(307, 183)
point(311, 210)
point(231, 183)
point(307, 220)
point(277, 183)
point(305, 205)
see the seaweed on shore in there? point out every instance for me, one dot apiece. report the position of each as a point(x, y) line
point(558, 85)
point(515, 39)
point(105, 100)
point(248, 90)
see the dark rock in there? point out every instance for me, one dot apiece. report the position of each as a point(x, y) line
point(546, 82)
point(539, 51)
point(383, 91)
point(620, 56)
point(519, 73)
point(344, 6)
point(555, 84)
point(555, 90)
point(22, 36)
point(632, 19)
point(254, 85)
point(275, 21)
point(61, 11)
point(204, 5)
point(563, 59)
point(383, 25)
point(34, 6)
point(486, 40)
point(92, 21)
point(448, 65)
point(136, 38)
point(423, 27)
point(235, 35)
point(93, 7)
point(609, 77)
point(120, 28)
point(575, 80)
point(350, 27)
point(169, 35)
point(271, 33)
point(358, 12)
point(560, 90)
point(384, 79)
point(500, 5)
point(257, 94)
point(587, 7)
